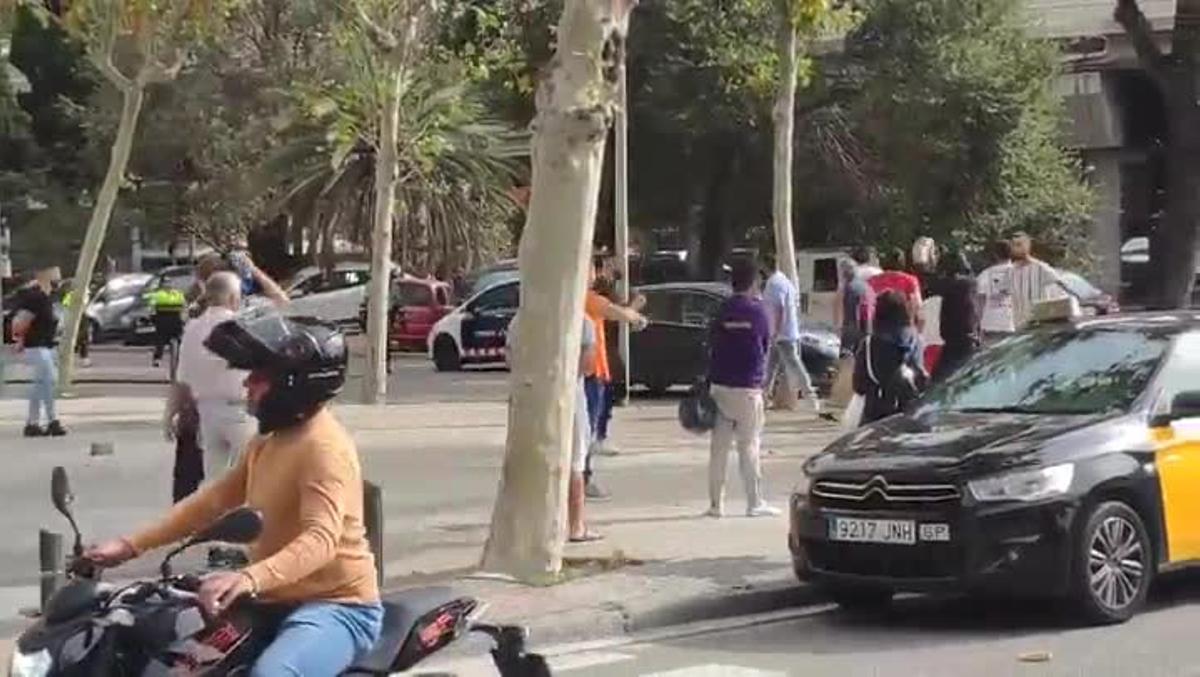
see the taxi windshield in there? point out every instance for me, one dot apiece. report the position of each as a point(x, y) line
point(1074, 371)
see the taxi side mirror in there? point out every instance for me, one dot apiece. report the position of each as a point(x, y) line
point(1184, 405)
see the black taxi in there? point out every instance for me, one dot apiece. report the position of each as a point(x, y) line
point(1061, 462)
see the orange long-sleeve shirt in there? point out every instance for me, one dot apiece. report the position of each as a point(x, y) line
point(308, 484)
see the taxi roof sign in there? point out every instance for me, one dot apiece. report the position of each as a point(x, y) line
point(1057, 310)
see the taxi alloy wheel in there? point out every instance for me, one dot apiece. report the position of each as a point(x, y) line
point(1116, 562)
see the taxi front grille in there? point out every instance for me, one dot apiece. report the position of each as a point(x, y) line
point(890, 561)
point(877, 492)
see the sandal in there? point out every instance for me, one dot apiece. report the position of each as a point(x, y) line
point(586, 537)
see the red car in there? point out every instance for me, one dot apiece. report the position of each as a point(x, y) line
point(416, 305)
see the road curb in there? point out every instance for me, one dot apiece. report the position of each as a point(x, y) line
point(775, 597)
point(615, 620)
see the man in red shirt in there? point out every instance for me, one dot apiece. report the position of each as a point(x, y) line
point(893, 278)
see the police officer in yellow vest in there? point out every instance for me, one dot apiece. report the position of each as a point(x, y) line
point(85, 331)
point(168, 306)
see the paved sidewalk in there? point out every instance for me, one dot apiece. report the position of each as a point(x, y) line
point(439, 465)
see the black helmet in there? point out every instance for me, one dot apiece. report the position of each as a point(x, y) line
point(698, 411)
point(305, 357)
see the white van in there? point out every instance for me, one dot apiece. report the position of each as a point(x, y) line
point(817, 269)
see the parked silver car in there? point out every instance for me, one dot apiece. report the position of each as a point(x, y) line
point(110, 312)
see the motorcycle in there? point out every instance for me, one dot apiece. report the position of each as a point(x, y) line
point(156, 628)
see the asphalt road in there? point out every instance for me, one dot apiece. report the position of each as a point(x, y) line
point(124, 371)
point(918, 637)
point(438, 465)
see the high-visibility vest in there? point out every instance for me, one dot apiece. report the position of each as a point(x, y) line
point(166, 299)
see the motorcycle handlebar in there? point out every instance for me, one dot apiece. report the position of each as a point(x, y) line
point(83, 567)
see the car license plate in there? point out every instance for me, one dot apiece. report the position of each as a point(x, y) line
point(854, 530)
point(935, 532)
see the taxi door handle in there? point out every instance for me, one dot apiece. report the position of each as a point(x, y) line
point(1172, 458)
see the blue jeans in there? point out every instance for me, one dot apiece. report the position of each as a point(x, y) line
point(606, 411)
point(785, 357)
point(45, 377)
point(320, 639)
point(594, 389)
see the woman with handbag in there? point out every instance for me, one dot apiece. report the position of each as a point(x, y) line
point(887, 371)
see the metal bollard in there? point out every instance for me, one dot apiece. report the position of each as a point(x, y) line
point(50, 555)
point(373, 521)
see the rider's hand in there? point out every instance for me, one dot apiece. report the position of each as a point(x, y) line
point(640, 323)
point(110, 553)
point(222, 589)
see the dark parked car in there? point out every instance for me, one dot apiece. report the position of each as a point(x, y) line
point(1062, 462)
point(673, 350)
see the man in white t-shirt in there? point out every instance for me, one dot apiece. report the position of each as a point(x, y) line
point(225, 424)
point(995, 292)
point(1033, 280)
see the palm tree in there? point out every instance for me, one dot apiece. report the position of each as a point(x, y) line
point(456, 171)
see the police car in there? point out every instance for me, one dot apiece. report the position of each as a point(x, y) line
point(1061, 462)
point(476, 332)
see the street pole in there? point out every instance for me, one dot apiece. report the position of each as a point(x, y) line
point(621, 211)
point(5, 273)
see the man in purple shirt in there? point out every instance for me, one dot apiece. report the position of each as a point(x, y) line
point(741, 338)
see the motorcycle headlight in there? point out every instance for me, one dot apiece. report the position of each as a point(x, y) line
point(30, 664)
point(1024, 485)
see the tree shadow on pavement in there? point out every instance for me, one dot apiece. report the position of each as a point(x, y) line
point(742, 572)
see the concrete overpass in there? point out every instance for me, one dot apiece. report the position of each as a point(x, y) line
point(1117, 117)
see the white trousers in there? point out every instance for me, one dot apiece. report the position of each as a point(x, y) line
point(740, 420)
point(225, 429)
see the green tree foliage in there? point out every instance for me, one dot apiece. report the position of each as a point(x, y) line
point(457, 163)
point(955, 107)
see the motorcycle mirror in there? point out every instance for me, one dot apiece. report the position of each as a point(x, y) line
point(236, 526)
point(60, 491)
point(241, 526)
point(61, 496)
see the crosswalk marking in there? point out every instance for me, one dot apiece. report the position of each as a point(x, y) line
point(481, 667)
point(714, 670)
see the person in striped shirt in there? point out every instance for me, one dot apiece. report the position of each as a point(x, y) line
point(1033, 280)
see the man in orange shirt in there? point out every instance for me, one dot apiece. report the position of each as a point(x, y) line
point(599, 310)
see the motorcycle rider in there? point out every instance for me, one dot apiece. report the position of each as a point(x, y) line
point(302, 471)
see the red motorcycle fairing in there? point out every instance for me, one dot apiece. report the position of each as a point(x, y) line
point(225, 647)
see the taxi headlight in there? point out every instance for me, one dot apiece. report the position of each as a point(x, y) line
point(30, 664)
point(1024, 485)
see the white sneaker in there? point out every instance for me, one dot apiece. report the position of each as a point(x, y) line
point(607, 448)
point(715, 512)
point(764, 510)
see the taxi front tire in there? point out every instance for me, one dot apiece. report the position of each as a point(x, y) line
point(1114, 564)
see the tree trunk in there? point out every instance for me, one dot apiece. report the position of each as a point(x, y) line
point(715, 235)
point(574, 112)
point(381, 244)
point(106, 199)
point(1173, 245)
point(1176, 243)
point(785, 126)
